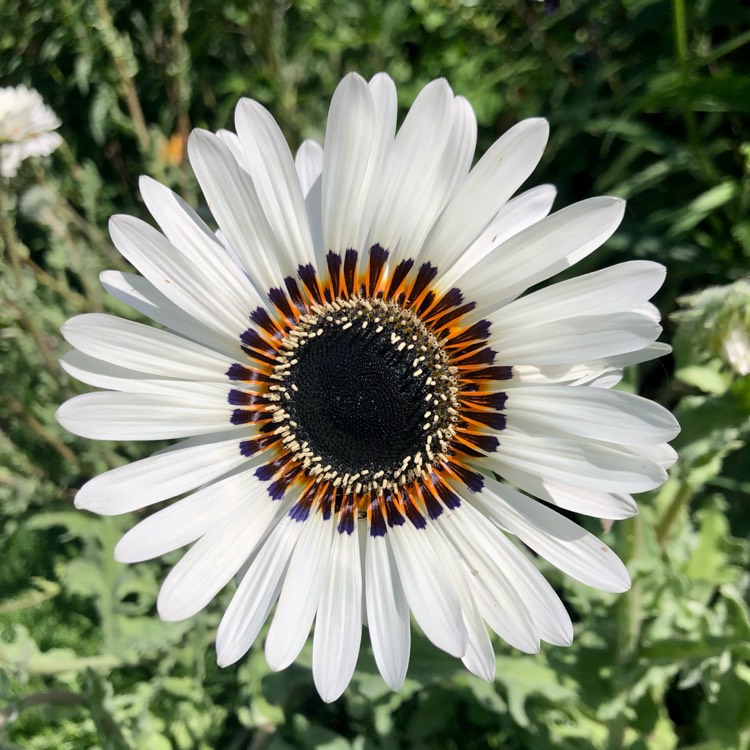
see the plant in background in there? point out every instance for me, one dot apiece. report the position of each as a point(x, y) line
point(646, 101)
point(353, 363)
point(715, 324)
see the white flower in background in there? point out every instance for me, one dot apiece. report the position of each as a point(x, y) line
point(714, 324)
point(26, 125)
point(352, 365)
point(737, 348)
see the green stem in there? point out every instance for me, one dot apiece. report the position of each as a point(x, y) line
point(681, 499)
point(13, 247)
point(629, 608)
point(683, 61)
point(125, 64)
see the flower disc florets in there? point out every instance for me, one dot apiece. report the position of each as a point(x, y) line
point(366, 395)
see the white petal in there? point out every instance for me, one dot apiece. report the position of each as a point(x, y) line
point(547, 612)
point(450, 168)
point(497, 175)
point(338, 626)
point(384, 99)
point(422, 155)
point(143, 296)
point(159, 477)
point(663, 455)
point(102, 374)
point(430, 593)
point(498, 601)
point(190, 235)
point(143, 348)
point(531, 255)
point(589, 502)
point(574, 339)
point(513, 217)
point(480, 656)
point(582, 372)
point(387, 613)
point(315, 220)
point(303, 586)
point(271, 169)
point(232, 141)
point(213, 560)
point(572, 549)
point(352, 154)
point(179, 409)
point(606, 380)
point(256, 593)
point(309, 164)
point(595, 413)
point(190, 518)
point(616, 289)
point(173, 275)
point(236, 207)
point(585, 464)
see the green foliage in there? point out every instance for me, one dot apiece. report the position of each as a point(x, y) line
point(647, 99)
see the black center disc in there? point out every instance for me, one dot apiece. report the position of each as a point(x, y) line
point(356, 399)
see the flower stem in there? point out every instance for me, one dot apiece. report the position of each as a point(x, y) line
point(664, 527)
point(126, 67)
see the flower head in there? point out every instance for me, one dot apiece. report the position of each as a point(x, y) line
point(352, 366)
point(26, 125)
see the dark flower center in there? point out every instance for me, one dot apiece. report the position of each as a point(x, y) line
point(366, 392)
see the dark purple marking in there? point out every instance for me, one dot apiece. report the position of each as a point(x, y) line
point(471, 479)
point(269, 470)
point(346, 521)
point(489, 418)
point(260, 317)
point(486, 443)
point(433, 506)
point(240, 398)
point(378, 257)
point(477, 332)
point(256, 445)
point(452, 298)
point(278, 489)
point(334, 270)
point(452, 315)
point(399, 274)
point(485, 356)
point(414, 515)
point(310, 280)
point(251, 338)
point(499, 372)
point(242, 416)
point(350, 270)
point(447, 495)
point(492, 400)
point(427, 272)
point(426, 303)
point(392, 513)
point(377, 522)
point(258, 357)
point(279, 299)
point(300, 510)
point(240, 372)
point(294, 293)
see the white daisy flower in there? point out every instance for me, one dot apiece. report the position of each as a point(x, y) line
point(351, 365)
point(26, 123)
